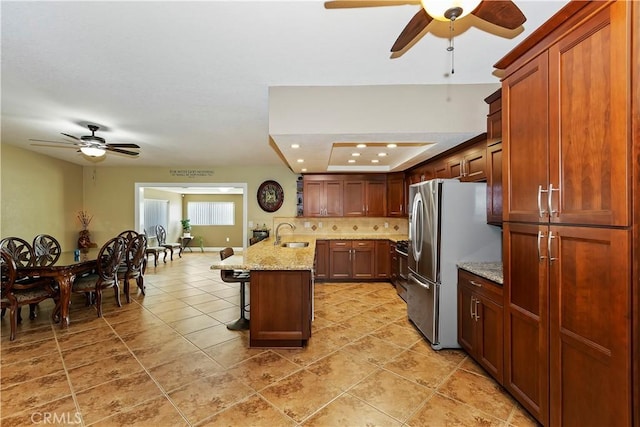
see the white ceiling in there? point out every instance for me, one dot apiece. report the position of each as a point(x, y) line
point(190, 81)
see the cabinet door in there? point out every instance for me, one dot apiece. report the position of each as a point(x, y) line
point(441, 170)
point(466, 318)
point(322, 260)
point(354, 198)
point(280, 310)
point(494, 127)
point(590, 326)
point(474, 164)
point(455, 167)
point(525, 141)
point(589, 134)
point(490, 336)
point(313, 198)
point(363, 259)
point(526, 317)
point(394, 268)
point(340, 259)
point(376, 198)
point(494, 184)
point(395, 196)
point(333, 198)
point(382, 266)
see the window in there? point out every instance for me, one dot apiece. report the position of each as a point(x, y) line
point(156, 212)
point(211, 213)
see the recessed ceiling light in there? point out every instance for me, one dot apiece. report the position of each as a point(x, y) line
point(375, 161)
point(392, 145)
point(295, 145)
point(361, 146)
point(303, 169)
point(351, 161)
point(300, 160)
point(382, 154)
point(355, 154)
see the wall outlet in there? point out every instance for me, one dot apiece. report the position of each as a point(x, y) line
point(250, 224)
point(386, 225)
point(227, 239)
point(319, 225)
point(307, 224)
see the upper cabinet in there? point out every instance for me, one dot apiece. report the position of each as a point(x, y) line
point(494, 118)
point(396, 197)
point(494, 158)
point(567, 123)
point(322, 196)
point(365, 197)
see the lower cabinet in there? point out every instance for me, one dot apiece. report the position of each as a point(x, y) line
point(382, 264)
point(352, 259)
point(480, 321)
point(280, 308)
point(321, 264)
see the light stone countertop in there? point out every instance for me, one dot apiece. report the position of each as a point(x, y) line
point(264, 255)
point(489, 270)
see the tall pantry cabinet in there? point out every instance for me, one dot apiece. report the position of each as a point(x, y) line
point(571, 188)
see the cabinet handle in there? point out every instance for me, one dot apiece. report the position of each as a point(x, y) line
point(551, 236)
point(476, 310)
point(471, 305)
point(474, 283)
point(540, 237)
point(541, 212)
point(550, 202)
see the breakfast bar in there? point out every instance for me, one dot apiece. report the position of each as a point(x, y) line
point(281, 290)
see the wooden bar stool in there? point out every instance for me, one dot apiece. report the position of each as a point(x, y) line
point(236, 276)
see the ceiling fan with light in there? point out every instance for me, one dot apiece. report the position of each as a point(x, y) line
point(91, 145)
point(504, 14)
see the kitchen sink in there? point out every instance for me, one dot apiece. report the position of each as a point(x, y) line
point(295, 244)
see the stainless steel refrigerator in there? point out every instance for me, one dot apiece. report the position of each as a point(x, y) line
point(447, 225)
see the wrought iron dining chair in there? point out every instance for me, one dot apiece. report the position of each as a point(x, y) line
point(15, 293)
point(161, 233)
point(106, 274)
point(24, 256)
point(236, 276)
point(133, 265)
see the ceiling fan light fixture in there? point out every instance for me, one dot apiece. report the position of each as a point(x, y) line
point(448, 10)
point(93, 151)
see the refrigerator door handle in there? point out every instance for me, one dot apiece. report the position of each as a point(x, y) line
point(413, 279)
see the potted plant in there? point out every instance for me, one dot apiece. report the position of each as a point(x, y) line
point(186, 227)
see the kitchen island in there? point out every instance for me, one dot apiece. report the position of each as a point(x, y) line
point(281, 290)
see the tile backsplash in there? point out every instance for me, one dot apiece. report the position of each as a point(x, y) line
point(343, 226)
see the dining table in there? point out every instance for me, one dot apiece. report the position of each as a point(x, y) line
point(64, 271)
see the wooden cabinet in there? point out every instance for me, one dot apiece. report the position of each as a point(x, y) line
point(494, 118)
point(280, 308)
point(396, 197)
point(365, 198)
point(382, 264)
point(321, 262)
point(480, 321)
point(394, 266)
point(351, 259)
point(570, 353)
point(322, 197)
point(494, 184)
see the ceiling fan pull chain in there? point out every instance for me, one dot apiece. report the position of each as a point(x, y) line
point(450, 48)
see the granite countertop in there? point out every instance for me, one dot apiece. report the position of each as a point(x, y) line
point(489, 270)
point(264, 255)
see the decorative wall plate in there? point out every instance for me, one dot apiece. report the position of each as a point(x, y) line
point(270, 196)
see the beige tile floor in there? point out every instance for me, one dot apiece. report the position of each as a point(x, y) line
point(167, 359)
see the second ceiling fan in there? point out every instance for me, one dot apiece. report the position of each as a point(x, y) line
point(503, 13)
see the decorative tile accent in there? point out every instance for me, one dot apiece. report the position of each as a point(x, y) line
point(375, 227)
point(314, 227)
point(395, 227)
point(334, 228)
point(355, 228)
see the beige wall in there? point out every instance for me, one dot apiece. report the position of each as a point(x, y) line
point(40, 194)
point(174, 228)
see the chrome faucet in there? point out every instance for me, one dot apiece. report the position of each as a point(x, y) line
point(293, 227)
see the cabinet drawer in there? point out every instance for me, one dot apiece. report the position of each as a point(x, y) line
point(482, 286)
point(339, 244)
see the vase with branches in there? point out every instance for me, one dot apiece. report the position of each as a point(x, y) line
point(84, 241)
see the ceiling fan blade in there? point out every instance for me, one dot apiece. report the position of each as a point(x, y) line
point(417, 24)
point(117, 150)
point(53, 146)
point(346, 4)
point(71, 136)
point(54, 142)
point(501, 13)
point(123, 145)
